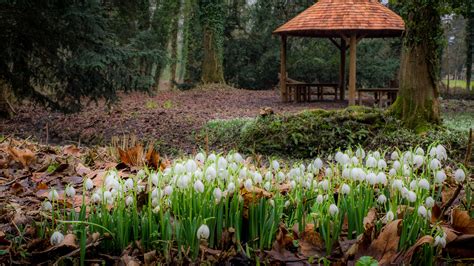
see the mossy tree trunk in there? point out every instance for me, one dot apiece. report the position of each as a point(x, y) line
point(469, 44)
point(212, 17)
point(417, 104)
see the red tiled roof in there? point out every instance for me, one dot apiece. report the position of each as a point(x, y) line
point(333, 18)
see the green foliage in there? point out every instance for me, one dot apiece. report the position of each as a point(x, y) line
point(367, 261)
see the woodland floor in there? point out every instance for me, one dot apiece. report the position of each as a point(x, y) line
point(170, 117)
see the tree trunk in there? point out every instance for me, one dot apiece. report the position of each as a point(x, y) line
point(469, 45)
point(417, 104)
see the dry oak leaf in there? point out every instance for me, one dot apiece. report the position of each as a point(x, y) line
point(311, 242)
point(25, 156)
point(462, 222)
point(406, 257)
point(72, 150)
point(384, 248)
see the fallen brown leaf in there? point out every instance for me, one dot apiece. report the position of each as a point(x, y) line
point(407, 256)
point(310, 242)
point(24, 156)
point(384, 247)
point(462, 222)
point(461, 247)
point(72, 150)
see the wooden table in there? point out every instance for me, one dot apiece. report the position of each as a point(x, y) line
point(302, 92)
point(378, 94)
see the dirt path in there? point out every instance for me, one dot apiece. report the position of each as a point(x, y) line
point(170, 117)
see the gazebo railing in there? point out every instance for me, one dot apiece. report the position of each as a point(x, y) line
point(302, 92)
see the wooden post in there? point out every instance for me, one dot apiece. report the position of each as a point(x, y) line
point(352, 70)
point(342, 70)
point(283, 90)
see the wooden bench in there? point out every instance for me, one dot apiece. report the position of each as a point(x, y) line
point(378, 95)
point(302, 92)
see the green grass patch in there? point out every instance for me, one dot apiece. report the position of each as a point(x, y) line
point(459, 121)
point(455, 83)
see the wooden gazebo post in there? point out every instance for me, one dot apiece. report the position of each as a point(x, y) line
point(283, 91)
point(342, 70)
point(352, 69)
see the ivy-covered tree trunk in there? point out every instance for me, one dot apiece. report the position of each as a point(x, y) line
point(212, 17)
point(417, 104)
point(469, 44)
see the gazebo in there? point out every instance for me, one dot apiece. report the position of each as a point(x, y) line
point(347, 20)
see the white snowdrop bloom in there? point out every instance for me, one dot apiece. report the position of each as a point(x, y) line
point(411, 196)
point(200, 157)
point(419, 151)
point(407, 157)
point(257, 178)
point(271, 202)
point(333, 210)
point(109, 177)
point(396, 165)
point(413, 185)
point(392, 172)
point(406, 170)
point(418, 161)
point(129, 184)
point(233, 166)
point(56, 238)
point(459, 175)
point(440, 176)
point(381, 164)
point(156, 209)
point(292, 184)
point(183, 181)
point(324, 184)
point(356, 174)
point(179, 169)
point(167, 171)
point(243, 173)
point(268, 176)
point(354, 160)
point(53, 195)
point(404, 192)
point(422, 211)
point(211, 173)
point(397, 184)
point(238, 157)
point(424, 184)
point(231, 187)
point(440, 241)
point(338, 156)
point(108, 197)
point(381, 178)
point(433, 152)
point(267, 186)
point(360, 153)
point(47, 206)
point(318, 163)
point(307, 184)
point(441, 153)
point(382, 199)
point(168, 190)
point(371, 162)
point(155, 193)
point(328, 172)
point(154, 179)
point(320, 199)
point(281, 176)
point(114, 192)
point(221, 163)
point(345, 159)
point(345, 189)
point(223, 174)
point(371, 178)
point(346, 172)
point(199, 186)
point(129, 200)
point(287, 204)
point(217, 194)
point(141, 174)
point(435, 164)
point(390, 216)
point(376, 155)
point(275, 165)
point(429, 202)
point(198, 174)
point(248, 184)
point(96, 198)
point(212, 157)
point(191, 166)
point(155, 202)
point(394, 156)
point(88, 184)
point(302, 168)
point(70, 191)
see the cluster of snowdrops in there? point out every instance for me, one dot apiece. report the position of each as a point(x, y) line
point(196, 200)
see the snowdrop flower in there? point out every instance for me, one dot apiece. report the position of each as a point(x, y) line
point(441, 153)
point(381, 178)
point(424, 184)
point(129, 200)
point(435, 164)
point(371, 178)
point(302, 168)
point(328, 172)
point(257, 178)
point(394, 156)
point(267, 186)
point(459, 175)
point(47, 206)
point(191, 166)
point(345, 189)
point(212, 157)
point(418, 161)
point(141, 174)
point(168, 190)
point(390, 216)
point(404, 192)
point(392, 172)
point(397, 184)
point(155, 202)
point(371, 162)
point(129, 184)
point(275, 165)
point(56, 238)
point(96, 198)
point(381, 164)
point(338, 156)
point(248, 184)
point(243, 173)
point(413, 185)
point(429, 202)
point(211, 173)
point(433, 152)
point(199, 186)
point(396, 165)
point(108, 198)
point(292, 184)
point(154, 179)
point(200, 157)
point(382, 199)
point(376, 155)
point(223, 174)
point(287, 204)
point(360, 153)
point(440, 241)
point(238, 158)
point(345, 159)
point(231, 187)
point(358, 174)
point(408, 157)
point(217, 194)
point(333, 209)
point(271, 202)
point(318, 163)
point(70, 191)
point(406, 170)
point(411, 196)
point(221, 163)
point(346, 172)
point(233, 166)
point(320, 199)
point(155, 193)
point(183, 181)
point(440, 176)
point(179, 169)
point(88, 184)
point(53, 195)
point(419, 151)
point(354, 160)
point(324, 184)
point(422, 211)
point(281, 176)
